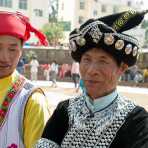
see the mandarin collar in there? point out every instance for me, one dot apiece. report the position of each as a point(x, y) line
point(101, 102)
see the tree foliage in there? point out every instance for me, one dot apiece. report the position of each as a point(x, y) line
point(54, 32)
point(144, 24)
point(28, 56)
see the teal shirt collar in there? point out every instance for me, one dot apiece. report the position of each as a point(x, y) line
point(100, 103)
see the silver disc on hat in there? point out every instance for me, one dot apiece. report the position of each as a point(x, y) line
point(128, 49)
point(81, 41)
point(95, 41)
point(109, 39)
point(135, 51)
point(72, 46)
point(119, 44)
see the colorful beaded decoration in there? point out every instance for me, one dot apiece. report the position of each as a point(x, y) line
point(9, 97)
point(13, 146)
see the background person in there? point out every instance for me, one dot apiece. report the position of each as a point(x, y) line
point(34, 65)
point(53, 73)
point(21, 66)
point(75, 74)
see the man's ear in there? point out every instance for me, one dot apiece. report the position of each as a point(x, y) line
point(123, 68)
point(21, 53)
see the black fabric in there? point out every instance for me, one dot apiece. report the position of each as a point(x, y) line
point(131, 22)
point(133, 133)
point(57, 125)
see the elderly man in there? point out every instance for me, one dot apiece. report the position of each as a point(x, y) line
point(100, 117)
point(23, 108)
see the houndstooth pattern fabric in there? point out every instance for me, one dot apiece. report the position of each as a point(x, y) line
point(95, 130)
point(45, 143)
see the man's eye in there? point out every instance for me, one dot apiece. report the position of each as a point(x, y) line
point(86, 60)
point(12, 49)
point(104, 62)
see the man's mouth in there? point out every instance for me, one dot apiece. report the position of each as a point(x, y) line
point(5, 66)
point(92, 81)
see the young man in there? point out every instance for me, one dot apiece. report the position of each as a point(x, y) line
point(23, 108)
point(75, 74)
point(34, 65)
point(54, 69)
point(101, 117)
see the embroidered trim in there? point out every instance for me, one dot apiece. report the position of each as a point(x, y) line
point(87, 27)
point(122, 20)
point(127, 38)
point(9, 97)
point(96, 130)
point(45, 143)
point(110, 132)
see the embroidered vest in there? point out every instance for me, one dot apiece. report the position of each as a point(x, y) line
point(95, 130)
point(11, 132)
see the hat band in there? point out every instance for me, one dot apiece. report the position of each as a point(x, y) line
point(120, 42)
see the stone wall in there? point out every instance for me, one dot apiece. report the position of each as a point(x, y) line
point(46, 55)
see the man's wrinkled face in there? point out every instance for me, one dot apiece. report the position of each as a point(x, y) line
point(100, 72)
point(10, 53)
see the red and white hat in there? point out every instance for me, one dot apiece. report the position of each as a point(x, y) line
point(16, 24)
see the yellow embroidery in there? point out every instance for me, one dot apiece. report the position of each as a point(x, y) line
point(123, 19)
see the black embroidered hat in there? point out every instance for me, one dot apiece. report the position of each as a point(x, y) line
point(107, 33)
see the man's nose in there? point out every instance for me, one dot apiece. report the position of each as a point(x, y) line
point(93, 67)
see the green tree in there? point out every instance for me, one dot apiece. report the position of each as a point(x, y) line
point(54, 32)
point(146, 36)
point(29, 55)
point(144, 25)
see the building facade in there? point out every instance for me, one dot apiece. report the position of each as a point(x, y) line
point(78, 11)
point(36, 10)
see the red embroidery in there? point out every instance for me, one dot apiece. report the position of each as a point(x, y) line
point(2, 114)
point(13, 146)
point(5, 103)
point(9, 97)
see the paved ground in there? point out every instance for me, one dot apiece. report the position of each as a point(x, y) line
point(65, 90)
point(141, 99)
